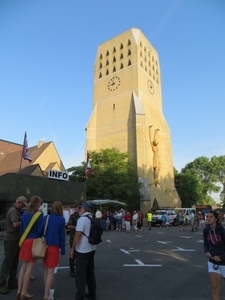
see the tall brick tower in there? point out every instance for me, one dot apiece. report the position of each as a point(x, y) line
point(127, 114)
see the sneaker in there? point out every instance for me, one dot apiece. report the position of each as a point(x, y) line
point(4, 290)
point(91, 295)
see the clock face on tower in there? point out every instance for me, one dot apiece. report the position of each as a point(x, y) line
point(113, 83)
point(150, 87)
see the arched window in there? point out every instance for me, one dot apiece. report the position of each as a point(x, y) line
point(121, 46)
point(121, 56)
point(128, 43)
point(129, 52)
point(107, 53)
point(107, 62)
point(114, 49)
point(107, 72)
point(129, 62)
point(121, 66)
point(114, 59)
point(100, 56)
point(100, 66)
point(100, 75)
point(114, 69)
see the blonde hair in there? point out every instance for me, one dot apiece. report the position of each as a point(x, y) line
point(35, 203)
point(57, 208)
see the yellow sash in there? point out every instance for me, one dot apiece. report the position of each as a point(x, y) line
point(32, 221)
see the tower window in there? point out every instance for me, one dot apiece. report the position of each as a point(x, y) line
point(145, 49)
point(141, 54)
point(114, 49)
point(114, 69)
point(121, 46)
point(100, 56)
point(100, 75)
point(107, 72)
point(100, 66)
point(128, 43)
point(114, 59)
point(129, 52)
point(129, 62)
point(107, 62)
point(121, 56)
point(121, 66)
point(141, 44)
point(114, 106)
point(107, 53)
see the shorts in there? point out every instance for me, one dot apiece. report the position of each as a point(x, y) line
point(119, 221)
point(214, 268)
point(26, 251)
point(51, 259)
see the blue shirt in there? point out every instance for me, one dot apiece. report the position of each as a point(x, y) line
point(56, 231)
point(26, 218)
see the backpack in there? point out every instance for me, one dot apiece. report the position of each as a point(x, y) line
point(95, 232)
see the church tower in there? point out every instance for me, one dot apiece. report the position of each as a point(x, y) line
point(127, 114)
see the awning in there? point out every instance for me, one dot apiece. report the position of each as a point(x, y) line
point(105, 201)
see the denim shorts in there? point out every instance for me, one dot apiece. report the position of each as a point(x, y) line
point(214, 268)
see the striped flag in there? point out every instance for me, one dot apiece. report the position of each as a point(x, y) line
point(88, 166)
point(25, 152)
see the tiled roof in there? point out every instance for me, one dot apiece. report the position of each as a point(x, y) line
point(11, 161)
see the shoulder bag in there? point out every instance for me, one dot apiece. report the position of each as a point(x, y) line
point(39, 246)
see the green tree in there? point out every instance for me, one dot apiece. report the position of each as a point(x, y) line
point(202, 168)
point(218, 167)
point(112, 177)
point(188, 188)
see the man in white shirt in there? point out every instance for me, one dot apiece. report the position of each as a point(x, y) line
point(85, 255)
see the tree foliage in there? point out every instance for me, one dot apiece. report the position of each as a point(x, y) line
point(198, 179)
point(112, 177)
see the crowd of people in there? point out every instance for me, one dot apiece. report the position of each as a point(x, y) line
point(22, 229)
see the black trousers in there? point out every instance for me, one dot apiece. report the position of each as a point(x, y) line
point(10, 263)
point(85, 274)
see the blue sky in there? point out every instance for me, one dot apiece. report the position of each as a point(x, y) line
point(47, 56)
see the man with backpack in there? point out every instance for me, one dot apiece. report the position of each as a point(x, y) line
point(86, 234)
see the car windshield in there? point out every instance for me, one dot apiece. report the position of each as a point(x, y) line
point(159, 212)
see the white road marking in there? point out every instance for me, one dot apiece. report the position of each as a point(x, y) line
point(199, 241)
point(141, 264)
point(51, 294)
point(124, 251)
point(181, 249)
point(108, 241)
point(165, 243)
point(186, 237)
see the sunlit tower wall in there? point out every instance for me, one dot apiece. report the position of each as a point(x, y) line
point(127, 114)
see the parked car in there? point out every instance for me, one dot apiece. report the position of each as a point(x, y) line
point(157, 216)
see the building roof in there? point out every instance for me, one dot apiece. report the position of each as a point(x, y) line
point(43, 154)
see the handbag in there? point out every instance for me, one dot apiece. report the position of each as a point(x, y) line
point(39, 246)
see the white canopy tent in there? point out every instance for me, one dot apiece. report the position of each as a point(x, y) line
point(101, 202)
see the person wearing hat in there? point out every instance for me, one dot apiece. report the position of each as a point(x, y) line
point(85, 255)
point(72, 223)
point(11, 247)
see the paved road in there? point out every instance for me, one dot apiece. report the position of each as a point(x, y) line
point(159, 265)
